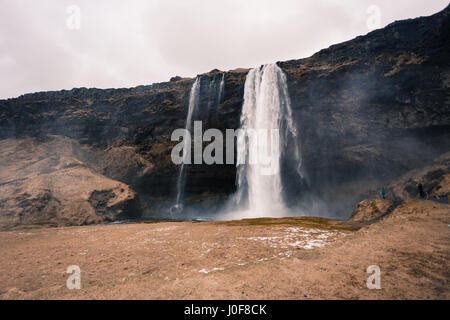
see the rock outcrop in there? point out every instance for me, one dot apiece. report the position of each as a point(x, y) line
point(44, 184)
point(433, 177)
point(367, 111)
point(368, 210)
point(443, 187)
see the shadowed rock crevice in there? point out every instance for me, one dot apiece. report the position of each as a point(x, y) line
point(108, 205)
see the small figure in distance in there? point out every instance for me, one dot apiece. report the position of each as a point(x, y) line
point(420, 190)
point(383, 193)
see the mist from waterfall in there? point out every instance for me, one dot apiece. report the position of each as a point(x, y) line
point(266, 106)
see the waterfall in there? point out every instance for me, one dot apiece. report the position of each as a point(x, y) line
point(266, 106)
point(194, 98)
point(221, 89)
point(216, 92)
point(211, 90)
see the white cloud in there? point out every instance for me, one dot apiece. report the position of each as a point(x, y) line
point(123, 44)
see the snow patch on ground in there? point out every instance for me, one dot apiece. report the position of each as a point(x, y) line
point(299, 237)
point(164, 229)
point(208, 271)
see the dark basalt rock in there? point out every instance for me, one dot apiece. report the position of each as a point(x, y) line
point(130, 208)
point(367, 111)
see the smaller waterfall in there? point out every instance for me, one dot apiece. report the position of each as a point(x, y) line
point(194, 98)
point(211, 90)
point(214, 92)
point(221, 93)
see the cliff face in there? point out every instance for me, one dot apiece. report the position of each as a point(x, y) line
point(367, 111)
point(374, 107)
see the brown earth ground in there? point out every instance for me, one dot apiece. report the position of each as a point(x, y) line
point(291, 258)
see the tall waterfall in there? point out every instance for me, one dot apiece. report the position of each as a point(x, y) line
point(194, 98)
point(266, 106)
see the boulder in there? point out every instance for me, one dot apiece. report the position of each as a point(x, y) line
point(442, 189)
point(368, 210)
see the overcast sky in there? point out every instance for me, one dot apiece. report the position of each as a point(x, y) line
point(128, 43)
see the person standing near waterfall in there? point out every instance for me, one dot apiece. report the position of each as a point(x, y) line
point(420, 190)
point(383, 193)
